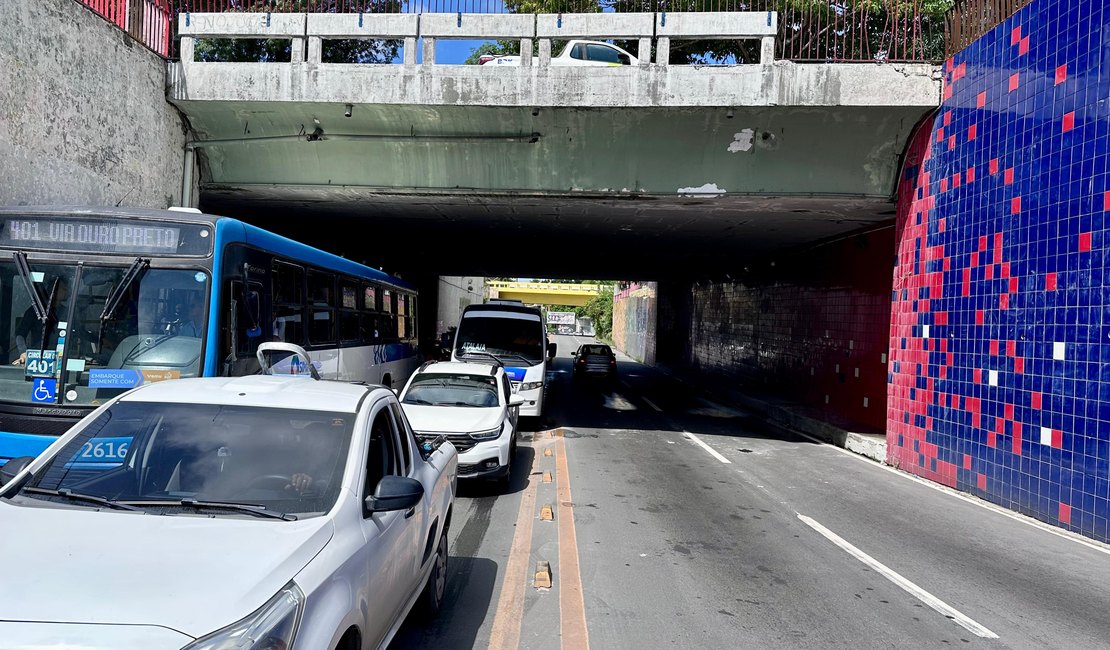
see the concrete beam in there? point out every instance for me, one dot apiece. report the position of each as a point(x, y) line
point(595, 26)
point(241, 25)
point(478, 26)
point(391, 26)
point(717, 24)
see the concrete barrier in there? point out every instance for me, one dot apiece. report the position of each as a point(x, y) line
point(192, 26)
point(728, 25)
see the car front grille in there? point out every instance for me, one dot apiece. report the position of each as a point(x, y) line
point(462, 441)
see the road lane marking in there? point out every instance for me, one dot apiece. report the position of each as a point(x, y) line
point(975, 501)
point(572, 606)
point(505, 634)
point(652, 404)
point(706, 447)
point(943, 608)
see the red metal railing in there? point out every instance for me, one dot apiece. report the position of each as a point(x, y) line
point(147, 21)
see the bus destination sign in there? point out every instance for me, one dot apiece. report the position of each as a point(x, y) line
point(99, 236)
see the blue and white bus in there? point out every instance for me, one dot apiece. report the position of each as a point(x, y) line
point(94, 301)
point(517, 336)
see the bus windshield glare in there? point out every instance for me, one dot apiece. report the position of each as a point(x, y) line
point(516, 339)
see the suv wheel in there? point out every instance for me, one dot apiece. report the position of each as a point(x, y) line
point(432, 597)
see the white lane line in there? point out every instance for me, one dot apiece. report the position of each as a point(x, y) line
point(706, 447)
point(929, 599)
point(652, 404)
point(975, 501)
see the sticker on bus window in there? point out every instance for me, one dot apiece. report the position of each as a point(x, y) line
point(40, 363)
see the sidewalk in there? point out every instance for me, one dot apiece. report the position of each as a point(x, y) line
point(786, 414)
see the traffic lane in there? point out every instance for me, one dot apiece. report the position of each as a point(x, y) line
point(479, 542)
point(1024, 583)
point(678, 548)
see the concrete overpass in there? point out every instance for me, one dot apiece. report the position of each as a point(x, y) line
point(544, 293)
point(692, 162)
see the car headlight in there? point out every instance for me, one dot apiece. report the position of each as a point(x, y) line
point(272, 627)
point(531, 385)
point(488, 434)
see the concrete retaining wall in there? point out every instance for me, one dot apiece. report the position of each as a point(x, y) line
point(634, 321)
point(455, 293)
point(83, 112)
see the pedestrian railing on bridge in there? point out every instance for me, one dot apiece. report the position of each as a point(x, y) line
point(147, 21)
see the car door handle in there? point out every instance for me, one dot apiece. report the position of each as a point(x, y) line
point(410, 512)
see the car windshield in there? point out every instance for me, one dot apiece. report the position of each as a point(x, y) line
point(84, 353)
point(516, 340)
point(597, 349)
point(149, 454)
point(452, 390)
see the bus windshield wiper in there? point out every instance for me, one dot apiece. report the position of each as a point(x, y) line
point(133, 272)
point(249, 508)
point(476, 353)
point(514, 355)
point(66, 493)
point(38, 301)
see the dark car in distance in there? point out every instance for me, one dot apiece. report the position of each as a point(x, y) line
point(596, 360)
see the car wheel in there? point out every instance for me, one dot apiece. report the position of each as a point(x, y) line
point(434, 590)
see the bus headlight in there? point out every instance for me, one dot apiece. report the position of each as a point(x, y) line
point(531, 385)
point(488, 434)
point(274, 625)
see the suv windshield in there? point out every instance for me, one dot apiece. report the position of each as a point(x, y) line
point(517, 340)
point(156, 455)
point(85, 352)
point(452, 390)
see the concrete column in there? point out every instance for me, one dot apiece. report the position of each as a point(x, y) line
point(767, 50)
point(315, 49)
point(545, 52)
point(662, 50)
point(188, 49)
point(409, 53)
point(429, 51)
point(297, 53)
point(643, 52)
point(526, 52)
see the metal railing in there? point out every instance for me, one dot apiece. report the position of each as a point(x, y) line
point(809, 30)
point(970, 19)
point(147, 21)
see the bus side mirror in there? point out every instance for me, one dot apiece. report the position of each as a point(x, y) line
point(251, 304)
point(551, 349)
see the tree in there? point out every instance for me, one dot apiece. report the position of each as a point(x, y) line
point(497, 48)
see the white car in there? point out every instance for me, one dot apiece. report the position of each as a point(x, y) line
point(473, 405)
point(576, 53)
point(258, 512)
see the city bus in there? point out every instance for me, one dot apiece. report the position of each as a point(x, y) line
point(95, 301)
point(516, 335)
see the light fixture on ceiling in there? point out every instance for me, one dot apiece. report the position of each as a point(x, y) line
point(728, 114)
point(348, 109)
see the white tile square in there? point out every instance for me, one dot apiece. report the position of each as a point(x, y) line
point(992, 377)
point(1046, 436)
point(1059, 350)
point(925, 331)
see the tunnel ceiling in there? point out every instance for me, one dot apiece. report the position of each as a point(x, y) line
point(643, 238)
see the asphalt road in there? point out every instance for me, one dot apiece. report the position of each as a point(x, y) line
point(680, 522)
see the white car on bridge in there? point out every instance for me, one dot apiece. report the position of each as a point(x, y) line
point(577, 52)
point(258, 512)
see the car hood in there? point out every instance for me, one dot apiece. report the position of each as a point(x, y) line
point(193, 574)
point(55, 636)
point(452, 419)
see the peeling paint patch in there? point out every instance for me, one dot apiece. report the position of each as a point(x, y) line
point(709, 189)
point(742, 141)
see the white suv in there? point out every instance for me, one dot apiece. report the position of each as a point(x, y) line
point(473, 405)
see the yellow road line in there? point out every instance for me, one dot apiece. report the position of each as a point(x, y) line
point(572, 607)
point(505, 634)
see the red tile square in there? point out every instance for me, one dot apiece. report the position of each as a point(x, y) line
point(997, 244)
point(1035, 400)
point(1069, 122)
point(981, 100)
point(982, 242)
point(1008, 411)
point(988, 272)
point(994, 346)
point(994, 166)
point(972, 131)
point(1065, 513)
point(1016, 442)
point(951, 142)
point(1023, 46)
point(940, 134)
point(947, 118)
point(1011, 350)
point(978, 316)
point(1019, 365)
point(1057, 438)
point(955, 180)
point(981, 480)
point(947, 91)
point(1015, 205)
point(977, 375)
point(1008, 176)
point(1015, 35)
point(944, 185)
point(1106, 201)
point(970, 174)
point(992, 439)
point(1061, 74)
point(1014, 81)
point(1084, 242)
point(967, 461)
point(1013, 285)
point(1050, 282)
point(1003, 301)
point(974, 259)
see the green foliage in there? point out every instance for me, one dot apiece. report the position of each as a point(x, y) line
point(498, 48)
point(600, 309)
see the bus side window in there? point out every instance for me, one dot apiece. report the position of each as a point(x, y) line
point(288, 292)
point(321, 287)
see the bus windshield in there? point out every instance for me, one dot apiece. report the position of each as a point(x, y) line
point(102, 328)
point(514, 340)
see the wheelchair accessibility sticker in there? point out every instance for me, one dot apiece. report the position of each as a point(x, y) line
point(44, 391)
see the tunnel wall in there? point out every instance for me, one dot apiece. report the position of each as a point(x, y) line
point(1000, 336)
point(83, 112)
point(634, 320)
point(811, 326)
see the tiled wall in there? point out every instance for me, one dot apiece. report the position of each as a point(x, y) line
point(814, 327)
point(634, 321)
point(1000, 331)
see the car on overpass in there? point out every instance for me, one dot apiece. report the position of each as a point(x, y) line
point(576, 53)
point(474, 406)
point(286, 511)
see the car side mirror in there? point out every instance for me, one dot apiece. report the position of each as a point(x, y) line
point(13, 467)
point(574, 354)
point(551, 350)
point(515, 400)
point(394, 493)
